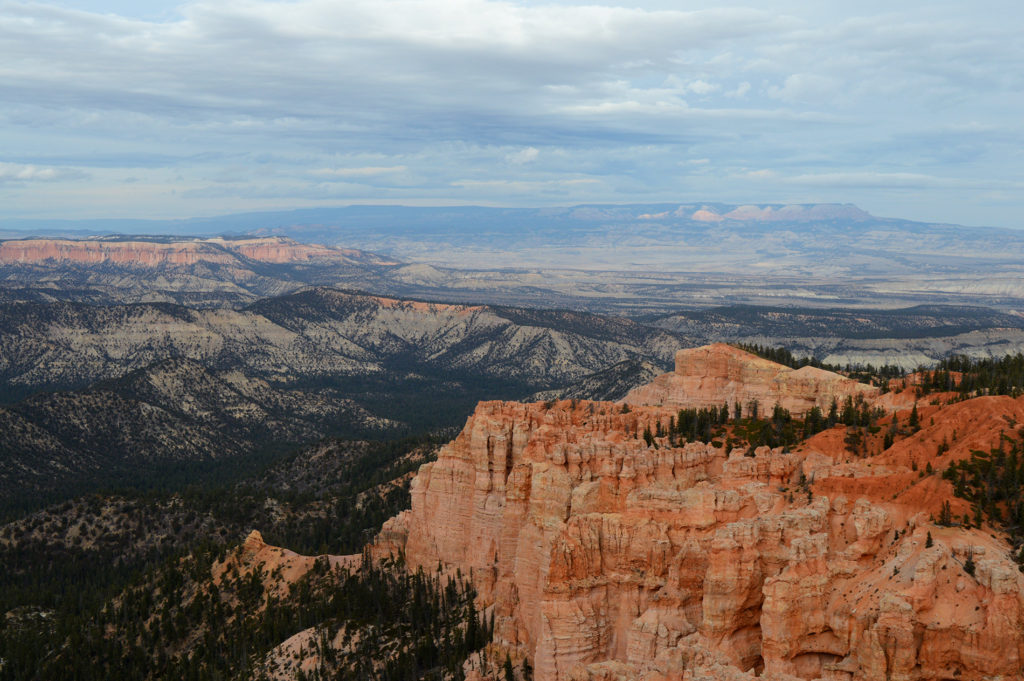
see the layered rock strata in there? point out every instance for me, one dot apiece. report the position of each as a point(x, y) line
point(154, 253)
point(717, 374)
point(606, 558)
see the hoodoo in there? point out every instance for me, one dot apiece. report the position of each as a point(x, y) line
point(606, 555)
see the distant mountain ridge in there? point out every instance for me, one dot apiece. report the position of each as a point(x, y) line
point(603, 258)
point(142, 252)
point(206, 272)
point(921, 321)
point(317, 332)
point(96, 393)
point(457, 218)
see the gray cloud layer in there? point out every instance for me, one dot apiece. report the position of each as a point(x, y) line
point(222, 106)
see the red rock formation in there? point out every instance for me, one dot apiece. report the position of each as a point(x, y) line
point(711, 375)
point(183, 252)
point(138, 253)
point(605, 558)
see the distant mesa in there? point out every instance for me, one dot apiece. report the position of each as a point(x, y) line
point(706, 215)
point(751, 213)
point(155, 252)
point(790, 213)
point(764, 213)
point(711, 375)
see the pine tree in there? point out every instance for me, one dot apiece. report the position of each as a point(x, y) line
point(472, 634)
point(969, 565)
point(928, 543)
point(510, 674)
point(946, 515)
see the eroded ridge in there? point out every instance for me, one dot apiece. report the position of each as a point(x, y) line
point(606, 557)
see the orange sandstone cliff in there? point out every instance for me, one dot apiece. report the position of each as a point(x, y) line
point(605, 558)
point(717, 374)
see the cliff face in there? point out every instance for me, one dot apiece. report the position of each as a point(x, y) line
point(604, 558)
point(178, 252)
point(711, 375)
point(93, 252)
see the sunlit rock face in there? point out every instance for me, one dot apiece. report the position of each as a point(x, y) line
point(605, 558)
point(713, 375)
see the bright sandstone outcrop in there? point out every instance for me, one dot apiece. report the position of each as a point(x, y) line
point(605, 558)
point(717, 374)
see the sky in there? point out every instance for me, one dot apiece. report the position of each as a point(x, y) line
point(166, 109)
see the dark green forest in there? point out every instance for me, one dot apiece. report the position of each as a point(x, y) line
point(750, 425)
point(993, 482)
point(62, 569)
point(176, 623)
point(1002, 376)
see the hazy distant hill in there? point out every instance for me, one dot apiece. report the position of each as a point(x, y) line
point(906, 337)
point(199, 272)
point(916, 322)
point(632, 259)
point(695, 236)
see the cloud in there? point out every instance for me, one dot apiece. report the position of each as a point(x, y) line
point(701, 88)
point(409, 97)
point(527, 155)
point(504, 186)
point(366, 171)
point(20, 172)
point(881, 180)
point(698, 86)
point(804, 86)
point(741, 90)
